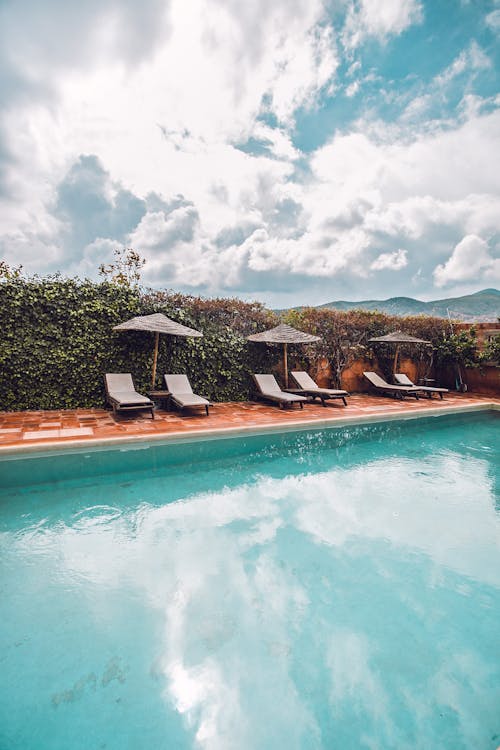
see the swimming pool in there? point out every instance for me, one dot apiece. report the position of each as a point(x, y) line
point(316, 589)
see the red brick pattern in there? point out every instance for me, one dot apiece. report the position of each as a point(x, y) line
point(22, 429)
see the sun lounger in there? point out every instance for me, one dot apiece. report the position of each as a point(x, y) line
point(269, 390)
point(402, 379)
point(307, 387)
point(397, 391)
point(182, 394)
point(121, 393)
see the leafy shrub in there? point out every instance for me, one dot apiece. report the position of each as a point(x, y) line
point(57, 341)
point(457, 349)
point(345, 337)
point(491, 352)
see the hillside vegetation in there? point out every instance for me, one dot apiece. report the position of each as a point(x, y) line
point(478, 307)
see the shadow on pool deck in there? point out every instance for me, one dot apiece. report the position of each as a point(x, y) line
point(45, 427)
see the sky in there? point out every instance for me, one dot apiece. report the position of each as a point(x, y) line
point(289, 151)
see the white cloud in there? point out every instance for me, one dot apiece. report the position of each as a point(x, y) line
point(220, 78)
point(473, 58)
point(157, 230)
point(390, 261)
point(470, 259)
point(493, 20)
point(379, 18)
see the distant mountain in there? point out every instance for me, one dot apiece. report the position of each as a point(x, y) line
point(482, 306)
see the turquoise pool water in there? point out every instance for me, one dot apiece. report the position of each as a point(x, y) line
point(319, 589)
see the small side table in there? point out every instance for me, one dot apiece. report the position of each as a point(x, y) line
point(160, 396)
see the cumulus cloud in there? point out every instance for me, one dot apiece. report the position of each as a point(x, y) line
point(470, 259)
point(177, 131)
point(390, 261)
point(379, 18)
point(91, 205)
point(38, 41)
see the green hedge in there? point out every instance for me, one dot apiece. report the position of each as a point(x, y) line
point(57, 341)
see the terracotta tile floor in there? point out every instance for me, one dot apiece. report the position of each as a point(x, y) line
point(23, 429)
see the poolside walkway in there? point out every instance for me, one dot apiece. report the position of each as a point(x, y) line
point(44, 428)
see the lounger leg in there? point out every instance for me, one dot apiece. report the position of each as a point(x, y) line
point(441, 395)
point(343, 399)
point(323, 402)
point(152, 413)
point(206, 409)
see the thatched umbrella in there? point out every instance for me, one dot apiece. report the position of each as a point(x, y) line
point(157, 323)
point(398, 338)
point(284, 334)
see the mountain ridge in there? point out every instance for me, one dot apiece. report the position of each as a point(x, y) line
point(482, 306)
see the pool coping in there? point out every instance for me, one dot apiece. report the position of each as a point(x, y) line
point(204, 434)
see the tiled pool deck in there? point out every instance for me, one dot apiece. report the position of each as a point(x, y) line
point(30, 429)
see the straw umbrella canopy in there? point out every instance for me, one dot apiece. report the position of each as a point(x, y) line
point(398, 338)
point(157, 323)
point(284, 334)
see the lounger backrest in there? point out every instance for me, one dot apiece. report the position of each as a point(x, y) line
point(119, 382)
point(267, 383)
point(375, 379)
point(178, 384)
point(402, 379)
point(303, 379)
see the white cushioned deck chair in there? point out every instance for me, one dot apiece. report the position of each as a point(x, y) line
point(402, 379)
point(397, 391)
point(182, 394)
point(307, 387)
point(121, 393)
point(269, 390)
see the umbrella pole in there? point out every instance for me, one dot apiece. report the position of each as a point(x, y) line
point(396, 355)
point(155, 358)
point(285, 364)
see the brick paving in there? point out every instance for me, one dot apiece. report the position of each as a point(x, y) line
point(29, 428)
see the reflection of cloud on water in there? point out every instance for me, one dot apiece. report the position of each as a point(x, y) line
point(227, 644)
point(352, 679)
point(219, 569)
point(442, 509)
point(460, 681)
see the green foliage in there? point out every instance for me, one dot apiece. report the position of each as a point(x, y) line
point(57, 342)
point(10, 272)
point(345, 337)
point(457, 349)
point(126, 268)
point(491, 352)
point(56, 337)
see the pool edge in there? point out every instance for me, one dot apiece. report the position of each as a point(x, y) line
point(205, 434)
